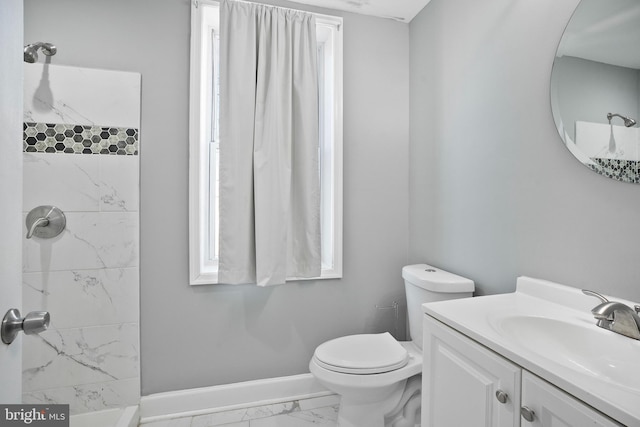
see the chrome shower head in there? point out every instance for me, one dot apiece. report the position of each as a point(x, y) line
point(628, 122)
point(30, 54)
point(31, 51)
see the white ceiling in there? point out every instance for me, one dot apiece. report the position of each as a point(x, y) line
point(600, 30)
point(400, 10)
point(604, 31)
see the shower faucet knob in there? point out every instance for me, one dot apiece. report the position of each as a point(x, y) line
point(36, 322)
point(33, 323)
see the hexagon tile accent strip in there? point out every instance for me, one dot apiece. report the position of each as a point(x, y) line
point(78, 139)
point(620, 169)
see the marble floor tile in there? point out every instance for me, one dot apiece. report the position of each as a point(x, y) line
point(319, 402)
point(326, 417)
point(245, 414)
point(240, 424)
point(177, 422)
point(187, 422)
point(315, 412)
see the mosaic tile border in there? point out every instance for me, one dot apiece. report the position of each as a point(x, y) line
point(622, 170)
point(78, 139)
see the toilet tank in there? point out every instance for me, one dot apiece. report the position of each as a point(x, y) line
point(424, 283)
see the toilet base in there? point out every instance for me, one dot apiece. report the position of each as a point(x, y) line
point(406, 412)
point(356, 413)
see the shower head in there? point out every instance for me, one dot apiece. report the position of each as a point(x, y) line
point(628, 122)
point(30, 54)
point(31, 51)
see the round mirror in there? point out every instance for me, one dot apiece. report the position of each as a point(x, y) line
point(595, 87)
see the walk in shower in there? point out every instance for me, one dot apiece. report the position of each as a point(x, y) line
point(80, 152)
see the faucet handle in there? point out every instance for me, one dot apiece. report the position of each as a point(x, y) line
point(45, 222)
point(605, 310)
point(637, 308)
point(40, 222)
point(595, 294)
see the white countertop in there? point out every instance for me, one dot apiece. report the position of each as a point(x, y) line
point(481, 318)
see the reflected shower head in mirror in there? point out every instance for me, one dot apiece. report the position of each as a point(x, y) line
point(628, 122)
point(31, 51)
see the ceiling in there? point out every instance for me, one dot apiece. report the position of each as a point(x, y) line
point(400, 10)
point(604, 31)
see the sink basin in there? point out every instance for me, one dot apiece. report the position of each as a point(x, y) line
point(581, 347)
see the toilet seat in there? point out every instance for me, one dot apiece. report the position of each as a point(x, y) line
point(362, 354)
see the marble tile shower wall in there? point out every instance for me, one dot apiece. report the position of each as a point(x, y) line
point(88, 277)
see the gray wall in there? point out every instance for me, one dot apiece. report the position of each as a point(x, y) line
point(209, 335)
point(494, 194)
point(588, 90)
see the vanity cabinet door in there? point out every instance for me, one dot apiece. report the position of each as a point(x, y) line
point(460, 380)
point(553, 407)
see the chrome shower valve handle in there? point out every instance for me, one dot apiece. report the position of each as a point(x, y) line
point(45, 222)
point(40, 222)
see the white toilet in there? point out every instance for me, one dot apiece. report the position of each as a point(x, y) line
point(377, 377)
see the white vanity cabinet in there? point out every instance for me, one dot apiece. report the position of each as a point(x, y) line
point(460, 379)
point(466, 384)
point(553, 407)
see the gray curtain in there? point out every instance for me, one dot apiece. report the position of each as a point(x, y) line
point(269, 158)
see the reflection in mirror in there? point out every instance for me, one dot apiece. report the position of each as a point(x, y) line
point(595, 87)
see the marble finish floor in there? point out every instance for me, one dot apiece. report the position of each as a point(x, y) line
point(315, 412)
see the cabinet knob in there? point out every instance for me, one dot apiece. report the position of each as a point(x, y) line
point(527, 414)
point(502, 396)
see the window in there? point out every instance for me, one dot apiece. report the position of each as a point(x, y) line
point(204, 142)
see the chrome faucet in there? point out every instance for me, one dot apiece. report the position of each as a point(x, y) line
point(615, 316)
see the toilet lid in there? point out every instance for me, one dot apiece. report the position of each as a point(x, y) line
point(362, 354)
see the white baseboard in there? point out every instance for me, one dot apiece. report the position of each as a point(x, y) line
point(200, 401)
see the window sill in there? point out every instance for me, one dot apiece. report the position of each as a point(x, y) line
point(211, 278)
